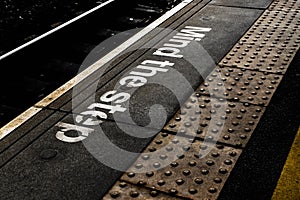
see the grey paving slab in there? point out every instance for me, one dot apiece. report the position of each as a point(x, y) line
point(52, 169)
point(243, 3)
point(228, 25)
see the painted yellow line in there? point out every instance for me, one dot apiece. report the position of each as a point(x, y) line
point(288, 186)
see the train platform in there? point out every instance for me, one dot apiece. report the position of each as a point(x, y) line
point(203, 103)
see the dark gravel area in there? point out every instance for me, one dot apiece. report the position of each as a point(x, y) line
point(21, 21)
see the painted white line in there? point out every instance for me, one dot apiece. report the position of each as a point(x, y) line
point(19, 120)
point(55, 29)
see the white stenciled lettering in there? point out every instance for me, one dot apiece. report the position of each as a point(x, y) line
point(168, 52)
point(192, 31)
point(135, 81)
point(197, 35)
point(150, 71)
point(82, 132)
point(95, 114)
point(182, 39)
point(177, 43)
point(159, 63)
point(111, 108)
point(111, 96)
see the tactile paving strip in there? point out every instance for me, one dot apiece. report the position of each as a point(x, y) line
point(285, 5)
point(275, 27)
point(260, 57)
point(269, 45)
point(127, 191)
point(192, 175)
point(233, 125)
point(241, 85)
point(276, 19)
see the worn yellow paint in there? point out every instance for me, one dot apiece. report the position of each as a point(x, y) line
point(288, 186)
